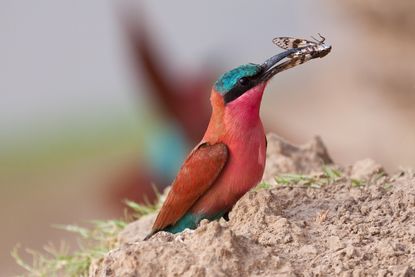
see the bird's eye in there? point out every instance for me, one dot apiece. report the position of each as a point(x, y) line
point(243, 81)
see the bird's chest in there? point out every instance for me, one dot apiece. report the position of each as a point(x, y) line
point(243, 170)
point(246, 162)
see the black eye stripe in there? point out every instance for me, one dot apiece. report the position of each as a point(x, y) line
point(239, 89)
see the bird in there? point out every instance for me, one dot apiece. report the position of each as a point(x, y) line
point(230, 158)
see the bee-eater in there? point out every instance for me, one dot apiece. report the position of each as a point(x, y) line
point(230, 158)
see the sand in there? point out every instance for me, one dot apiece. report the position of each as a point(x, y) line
point(361, 223)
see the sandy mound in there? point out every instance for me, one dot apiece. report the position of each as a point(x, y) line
point(356, 224)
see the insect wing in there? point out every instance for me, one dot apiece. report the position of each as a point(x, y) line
point(289, 42)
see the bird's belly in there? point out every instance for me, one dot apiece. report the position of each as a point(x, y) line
point(243, 170)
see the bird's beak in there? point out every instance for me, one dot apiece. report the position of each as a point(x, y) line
point(271, 66)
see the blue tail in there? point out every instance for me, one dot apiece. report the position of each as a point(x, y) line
point(190, 221)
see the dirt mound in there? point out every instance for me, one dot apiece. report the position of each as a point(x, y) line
point(353, 221)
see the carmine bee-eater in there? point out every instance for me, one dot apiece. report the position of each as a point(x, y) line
point(230, 159)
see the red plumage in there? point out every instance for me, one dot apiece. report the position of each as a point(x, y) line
point(195, 177)
point(228, 162)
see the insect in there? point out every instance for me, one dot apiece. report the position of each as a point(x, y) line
point(307, 49)
point(304, 50)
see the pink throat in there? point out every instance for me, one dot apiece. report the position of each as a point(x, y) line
point(244, 111)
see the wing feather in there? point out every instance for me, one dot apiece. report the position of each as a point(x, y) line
point(196, 176)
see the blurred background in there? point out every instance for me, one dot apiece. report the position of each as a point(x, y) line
point(101, 100)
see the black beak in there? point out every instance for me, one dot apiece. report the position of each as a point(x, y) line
point(270, 67)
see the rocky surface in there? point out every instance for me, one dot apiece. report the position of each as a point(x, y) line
point(359, 223)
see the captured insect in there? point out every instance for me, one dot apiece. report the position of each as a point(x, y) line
point(307, 49)
point(302, 51)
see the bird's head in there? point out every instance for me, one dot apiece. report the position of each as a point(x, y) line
point(248, 79)
point(246, 83)
point(236, 95)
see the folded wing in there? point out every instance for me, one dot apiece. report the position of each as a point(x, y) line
point(197, 174)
